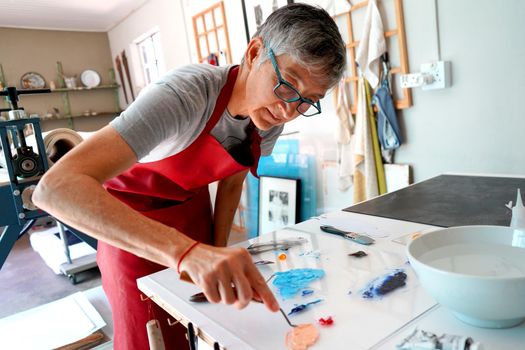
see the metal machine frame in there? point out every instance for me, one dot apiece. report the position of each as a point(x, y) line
point(25, 168)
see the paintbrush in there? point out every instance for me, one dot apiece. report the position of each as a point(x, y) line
point(201, 298)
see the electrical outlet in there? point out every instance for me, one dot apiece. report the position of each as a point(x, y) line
point(440, 71)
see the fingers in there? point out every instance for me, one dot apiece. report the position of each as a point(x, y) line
point(209, 288)
point(258, 289)
point(218, 287)
point(225, 289)
point(244, 292)
point(229, 276)
point(261, 290)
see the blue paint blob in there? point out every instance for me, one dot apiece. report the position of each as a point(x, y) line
point(290, 282)
point(302, 307)
point(307, 292)
point(385, 284)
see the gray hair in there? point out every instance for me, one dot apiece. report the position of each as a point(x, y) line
point(309, 35)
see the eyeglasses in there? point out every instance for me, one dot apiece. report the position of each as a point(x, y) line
point(288, 93)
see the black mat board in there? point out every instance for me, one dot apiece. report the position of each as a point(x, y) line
point(448, 200)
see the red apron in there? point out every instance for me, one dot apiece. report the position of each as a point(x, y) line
point(173, 191)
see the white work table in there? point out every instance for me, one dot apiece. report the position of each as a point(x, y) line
point(358, 323)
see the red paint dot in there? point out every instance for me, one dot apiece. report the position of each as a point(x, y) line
point(326, 321)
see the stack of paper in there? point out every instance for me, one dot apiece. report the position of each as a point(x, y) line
point(52, 325)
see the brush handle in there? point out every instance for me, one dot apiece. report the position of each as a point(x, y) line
point(184, 276)
point(356, 237)
point(333, 230)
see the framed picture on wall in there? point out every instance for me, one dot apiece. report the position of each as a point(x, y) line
point(278, 203)
point(256, 11)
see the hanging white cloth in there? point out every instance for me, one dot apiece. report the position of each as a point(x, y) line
point(365, 175)
point(344, 136)
point(372, 44)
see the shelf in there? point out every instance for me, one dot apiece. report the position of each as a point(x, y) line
point(82, 88)
point(80, 93)
point(99, 114)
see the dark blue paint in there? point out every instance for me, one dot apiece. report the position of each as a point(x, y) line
point(307, 292)
point(384, 285)
point(301, 307)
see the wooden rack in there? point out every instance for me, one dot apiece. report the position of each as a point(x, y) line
point(400, 103)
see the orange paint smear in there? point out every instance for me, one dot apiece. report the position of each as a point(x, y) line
point(301, 337)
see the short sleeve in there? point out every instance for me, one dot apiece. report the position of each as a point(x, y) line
point(174, 109)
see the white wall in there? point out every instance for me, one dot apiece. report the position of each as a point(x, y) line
point(477, 125)
point(168, 17)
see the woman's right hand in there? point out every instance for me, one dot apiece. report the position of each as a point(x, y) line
point(227, 275)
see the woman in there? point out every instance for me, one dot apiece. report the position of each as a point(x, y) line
point(140, 185)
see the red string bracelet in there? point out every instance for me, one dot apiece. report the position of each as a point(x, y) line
point(186, 253)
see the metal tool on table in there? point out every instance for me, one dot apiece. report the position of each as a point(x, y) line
point(281, 244)
point(355, 237)
point(25, 166)
point(263, 262)
point(201, 298)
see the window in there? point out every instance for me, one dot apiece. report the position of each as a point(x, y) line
point(211, 34)
point(150, 52)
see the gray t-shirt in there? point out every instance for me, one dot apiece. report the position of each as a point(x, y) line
point(170, 114)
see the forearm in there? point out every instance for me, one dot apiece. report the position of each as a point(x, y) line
point(81, 201)
point(226, 204)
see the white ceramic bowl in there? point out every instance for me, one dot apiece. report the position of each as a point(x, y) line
point(475, 272)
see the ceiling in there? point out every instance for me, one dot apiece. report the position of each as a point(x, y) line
point(78, 15)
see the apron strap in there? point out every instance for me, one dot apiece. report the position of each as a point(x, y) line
point(256, 151)
point(223, 99)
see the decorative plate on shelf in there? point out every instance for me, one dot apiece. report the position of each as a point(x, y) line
point(32, 80)
point(90, 78)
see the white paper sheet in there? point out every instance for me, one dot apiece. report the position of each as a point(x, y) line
point(52, 325)
point(51, 248)
point(4, 176)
